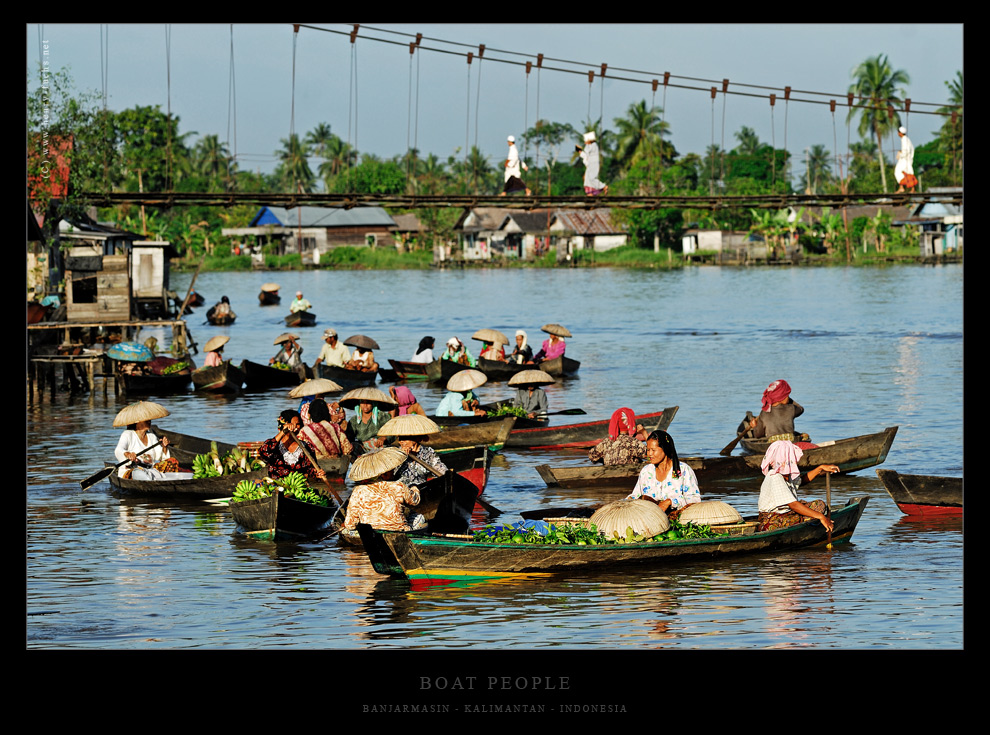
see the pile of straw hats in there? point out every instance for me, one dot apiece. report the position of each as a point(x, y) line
point(531, 377)
point(410, 424)
point(710, 513)
point(375, 464)
point(314, 387)
point(367, 394)
point(215, 343)
point(465, 380)
point(645, 518)
point(140, 411)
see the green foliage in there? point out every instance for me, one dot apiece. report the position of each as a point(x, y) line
point(372, 177)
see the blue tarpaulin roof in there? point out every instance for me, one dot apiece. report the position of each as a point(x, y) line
point(322, 217)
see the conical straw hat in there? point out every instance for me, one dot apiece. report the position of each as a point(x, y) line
point(215, 343)
point(314, 387)
point(362, 342)
point(366, 395)
point(559, 330)
point(285, 337)
point(376, 464)
point(645, 518)
point(269, 287)
point(710, 513)
point(140, 411)
point(531, 377)
point(410, 424)
point(465, 380)
point(490, 335)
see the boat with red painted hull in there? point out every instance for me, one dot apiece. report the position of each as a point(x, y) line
point(924, 495)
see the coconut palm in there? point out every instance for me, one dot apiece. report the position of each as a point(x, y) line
point(878, 85)
point(211, 158)
point(293, 170)
point(319, 140)
point(749, 142)
point(951, 134)
point(819, 166)
point(640, 134)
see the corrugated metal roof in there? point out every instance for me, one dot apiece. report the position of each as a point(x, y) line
point(591, 222)
point(322, 217)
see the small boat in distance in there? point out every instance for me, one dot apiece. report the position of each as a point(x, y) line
point(300, 319)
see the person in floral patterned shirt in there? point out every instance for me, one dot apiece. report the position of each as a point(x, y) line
point(624, 444)
point(282, 454)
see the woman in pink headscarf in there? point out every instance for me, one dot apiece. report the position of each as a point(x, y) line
point(406, 400)
point(779, 505)
point(778, 411)
point(625, 441)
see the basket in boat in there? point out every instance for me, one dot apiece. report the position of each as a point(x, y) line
point(746, 528)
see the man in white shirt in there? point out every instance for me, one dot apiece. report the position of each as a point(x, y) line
point(513, 175)
point(332, 352)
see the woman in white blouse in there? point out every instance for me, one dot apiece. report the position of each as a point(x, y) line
point(664, 480)
point(135, 439)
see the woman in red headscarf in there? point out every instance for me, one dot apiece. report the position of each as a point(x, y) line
point(625, 441)
point(776, 419)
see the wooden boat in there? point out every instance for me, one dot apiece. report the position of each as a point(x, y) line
point(577, 436)
point(492, 434)
point(472, 463)
point(344, 377)
point(924, 495)
point(149, 384)
point(850, 455)
point(212, 487)
point(440, 371)
point(405, 370)
point(498, 371)
point(224, 378)
point(279, 517)
point(219, 320)
point(300, 319)
point(269, 298)
point(442, 559)
point(260, 377)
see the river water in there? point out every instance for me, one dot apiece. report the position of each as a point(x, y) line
point(863, 349)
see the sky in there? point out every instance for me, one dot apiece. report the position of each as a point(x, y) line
point(254, 84)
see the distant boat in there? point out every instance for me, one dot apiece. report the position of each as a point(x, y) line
point(300, 319)
point(224, 378)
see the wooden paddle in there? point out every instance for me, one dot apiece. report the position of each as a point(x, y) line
point(828, 504)
point(732, 445)
point(566, 412)
point(107, 471)
point(313, 461)
point(492, 510)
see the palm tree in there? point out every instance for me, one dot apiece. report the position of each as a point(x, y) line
point(640, 133)
point(211, 158)
point(819, 166)
point(293, 170)
point(749, 142)
point(338, 156)
point(319, 140)
point(876, 82)
point(950, 136)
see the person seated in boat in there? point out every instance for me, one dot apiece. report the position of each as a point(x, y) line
point(664, 480)
point(299, 303)
point(459, 404)
point(530, 397)
point(523, 352)
point(282, 454)
point(553, 347)
point(492, 351)
point(333, 351)
point(406, 401)
point(136, 438)
point(424, 353)
point(625, 443)
point(222, 308)
point(777, 414)
point(324, 437)
point(380, 500)
point(363, 427)
point(457, 352)
point(214, 351)
point(411, 472)
point(362, 360)
point(290, 354)
point(779, 505)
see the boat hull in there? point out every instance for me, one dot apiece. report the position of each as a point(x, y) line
point(492, 434)
point(269, 298)
point(346, 378)
point(404, 370)
point(583, 435)
point(439, 560)
point(924, 495)
point(300, 319)
point(154, 385)
point(278, 518)
point(472, 463)
point(260, 377)
point(223, 378)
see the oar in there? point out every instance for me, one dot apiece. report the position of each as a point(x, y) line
point(107, 471)
point(566, 412)
point(309, 456)
point(828, 504)
point(492, 510)
point(732, 445)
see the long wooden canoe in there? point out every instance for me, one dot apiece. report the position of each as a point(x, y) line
point(442, 559)
point(492, 434)
point(472, 463)
point(405, 370)
point(269, 298)
point(346, 378)
point(213, 487)
point(260, 377)
point(924, 495)
point(220, 320)
point(224, 378)
point(154, 385)
point(850, 455)
point(278, 517)
point(440, 371)
point(300, 319)
point(578, 436)
point(498, 371)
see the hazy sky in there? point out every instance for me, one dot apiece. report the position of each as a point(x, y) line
point(382, 99)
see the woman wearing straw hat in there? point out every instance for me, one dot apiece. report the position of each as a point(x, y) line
point(383, 503)
point(282, 453)
point(322, 435)
point(214, 350)
point(290, 353)
point(310, 390)
point(460, 399)
point(779, 505)
point(664, 480)
point(412, 430)
point(371, 412)
point(530, 397)
point(624, 443)
point(137, 437)
point(554, 346)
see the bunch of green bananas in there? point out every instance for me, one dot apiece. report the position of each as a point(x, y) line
point(175, 367)
point(295, 485)
point(250, 490)
point(280, 366)
point(203, 466)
